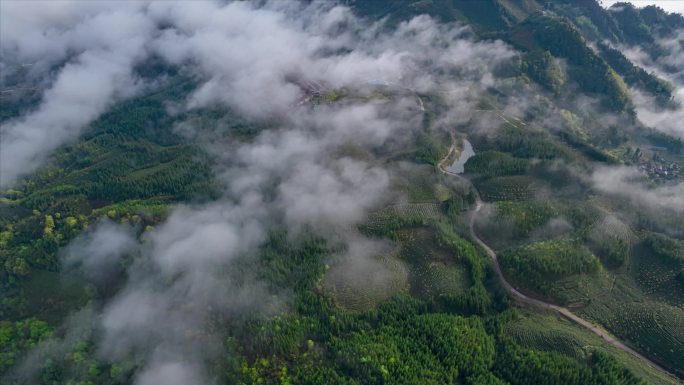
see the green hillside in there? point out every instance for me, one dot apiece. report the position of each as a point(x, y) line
point(254, 211)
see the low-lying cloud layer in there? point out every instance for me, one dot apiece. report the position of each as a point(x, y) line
point(645, 204)
point(629, 183)
point(100, 44)
point(265, 57)
point(98, 252)
point(669, 66)
point(265, 62)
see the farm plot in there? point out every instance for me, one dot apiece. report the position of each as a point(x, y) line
point(538, 265)
point(584, 216)
point(422, 187)
point(399, 215)
point(493, 163)
point(656, 329)
point(611, 239)
point(611, 229)
point(361, 287)
point(507, 188)
point(551, 333)
point(658, 278)
point(530, 335)
point(435, 279)
point(523, 217)
point(420, 245)
point(581, 290)
point(434, 269)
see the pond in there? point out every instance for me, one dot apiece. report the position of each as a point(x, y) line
point(466, 153)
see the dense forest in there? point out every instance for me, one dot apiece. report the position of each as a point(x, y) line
point(249, 212)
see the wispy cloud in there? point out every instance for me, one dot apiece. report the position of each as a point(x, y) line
point(263, 62)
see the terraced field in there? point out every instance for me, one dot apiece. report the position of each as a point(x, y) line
point(395, 216)
point(538, 265)
point(441, 192)
point(507, 188)
point(411, 210)
point(422, 188)
point(358, 288)
point(507, 223)
point(420, 245)
point(552, 333)
point(611, 229)
point(657, 278)
point(420, 265)
point(600, 305)
point(612, 238)
point(493, 163)
point(561, 340)
point(435, 279)
point(615, 301)
point(654, 328)
point(582, 290)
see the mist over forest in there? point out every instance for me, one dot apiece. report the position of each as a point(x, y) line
point(354, 192)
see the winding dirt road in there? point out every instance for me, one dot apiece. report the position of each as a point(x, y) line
point(525, 300)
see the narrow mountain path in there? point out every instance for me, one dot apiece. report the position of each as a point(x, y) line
point(525, 300)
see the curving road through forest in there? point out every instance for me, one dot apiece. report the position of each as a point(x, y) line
point(525, 300)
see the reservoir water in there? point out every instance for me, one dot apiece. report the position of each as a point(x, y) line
point(466, 153)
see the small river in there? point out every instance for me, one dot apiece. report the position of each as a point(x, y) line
point(466, 153)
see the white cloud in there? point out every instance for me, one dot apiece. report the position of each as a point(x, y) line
point(100, 249)
point(668, 5)
point(258, 61)
point(628, 183)
point(101, 49)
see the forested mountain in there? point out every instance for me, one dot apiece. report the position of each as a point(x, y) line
point(473, 192)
